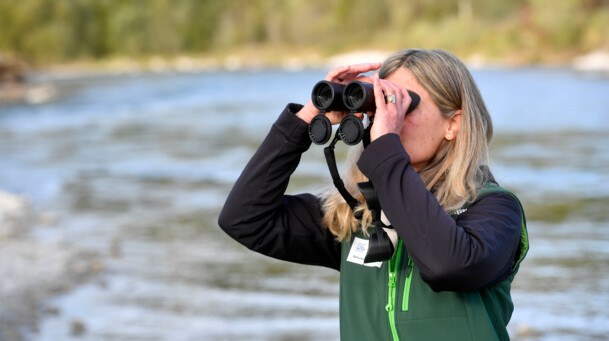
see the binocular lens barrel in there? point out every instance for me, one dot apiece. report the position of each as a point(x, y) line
point(359, 96)
point(324, 97)
point(353, 96)
point(328, 96)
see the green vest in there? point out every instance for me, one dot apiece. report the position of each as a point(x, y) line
point(390, 301)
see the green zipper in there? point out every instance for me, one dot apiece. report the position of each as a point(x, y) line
point(407, 282)
point(394, 263)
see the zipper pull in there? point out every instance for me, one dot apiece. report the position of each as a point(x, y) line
point(389, 307)
point(391, 283)
point(391, 297)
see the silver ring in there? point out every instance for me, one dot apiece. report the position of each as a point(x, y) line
point(390, 98)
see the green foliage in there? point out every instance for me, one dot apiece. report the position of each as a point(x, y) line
point(47, 31)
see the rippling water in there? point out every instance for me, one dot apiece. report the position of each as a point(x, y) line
point(138, 166)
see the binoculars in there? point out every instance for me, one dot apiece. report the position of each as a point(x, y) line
point(355, 97)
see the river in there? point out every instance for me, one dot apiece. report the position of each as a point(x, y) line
point(137, 166)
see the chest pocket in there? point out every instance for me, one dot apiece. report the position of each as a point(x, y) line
point(423, 314)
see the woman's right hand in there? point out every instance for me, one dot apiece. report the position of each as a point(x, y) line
point(343, 75)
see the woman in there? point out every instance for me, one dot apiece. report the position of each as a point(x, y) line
point(461, 236)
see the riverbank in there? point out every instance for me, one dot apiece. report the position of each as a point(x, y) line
point(33, 270)
point(23, 84)
point(271, 58)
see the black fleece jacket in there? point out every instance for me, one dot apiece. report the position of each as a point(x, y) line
point(471, 252)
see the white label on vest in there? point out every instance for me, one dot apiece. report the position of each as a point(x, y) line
point(358, 253)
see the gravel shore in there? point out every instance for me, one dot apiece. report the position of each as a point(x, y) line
point(31, 270)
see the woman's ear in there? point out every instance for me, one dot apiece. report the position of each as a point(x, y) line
point(453, 126)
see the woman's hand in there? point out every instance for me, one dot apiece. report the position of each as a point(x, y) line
point(343, 75)
point(389, 116)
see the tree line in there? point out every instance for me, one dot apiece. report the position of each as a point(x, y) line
point(48, 31)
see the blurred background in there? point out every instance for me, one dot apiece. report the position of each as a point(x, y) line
point(124, 124)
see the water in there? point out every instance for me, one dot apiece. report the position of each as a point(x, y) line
point(137, 167)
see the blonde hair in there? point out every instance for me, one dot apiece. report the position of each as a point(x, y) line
point(459, 167)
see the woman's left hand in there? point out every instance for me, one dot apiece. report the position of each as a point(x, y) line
point(389, 116)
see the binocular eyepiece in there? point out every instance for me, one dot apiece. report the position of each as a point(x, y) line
point(356, 96)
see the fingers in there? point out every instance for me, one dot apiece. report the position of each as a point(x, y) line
point(334, 74)
point(405, 100)
point(365, 67)
point(389, 115)
point(383, 92)
point(390, 90)
point(387, 88)
point(379, 94)
point(345, 74)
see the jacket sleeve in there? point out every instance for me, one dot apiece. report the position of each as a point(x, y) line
point(474, 251)
point(258, 214)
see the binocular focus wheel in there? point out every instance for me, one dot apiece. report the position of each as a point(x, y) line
point(351, 130)
point(320, 129)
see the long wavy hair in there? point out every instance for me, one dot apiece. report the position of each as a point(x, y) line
point(459, 167)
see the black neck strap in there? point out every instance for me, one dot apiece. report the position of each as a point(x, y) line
point(366, 139)
point(336, 179)
point(338, 182)
point(381, 248)
point(372, 199)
